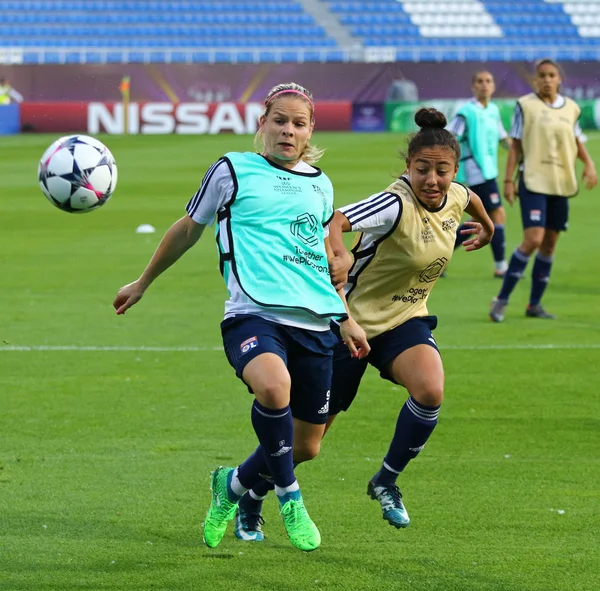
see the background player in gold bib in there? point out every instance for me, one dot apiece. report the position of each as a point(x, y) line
point(546, 143)
point(406, 240)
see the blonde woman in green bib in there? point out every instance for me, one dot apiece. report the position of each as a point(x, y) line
point(547, 140)
point(272, 211)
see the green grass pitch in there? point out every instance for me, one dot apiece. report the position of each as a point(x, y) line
point(105, 454)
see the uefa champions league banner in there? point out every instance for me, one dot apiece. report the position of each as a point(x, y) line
point(400, 117)
point(357, 82)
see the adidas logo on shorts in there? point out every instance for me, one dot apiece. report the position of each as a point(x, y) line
point(325, 408)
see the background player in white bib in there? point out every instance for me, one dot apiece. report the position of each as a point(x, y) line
point(478, 127)
point(272, 210)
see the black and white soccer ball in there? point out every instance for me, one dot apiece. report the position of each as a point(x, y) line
point(77, 174)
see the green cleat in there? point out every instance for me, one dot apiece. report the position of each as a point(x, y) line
point(301, 530)
point(222, 508)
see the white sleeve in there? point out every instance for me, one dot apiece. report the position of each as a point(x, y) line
point(15, 95)
point(501, 131)
point(578, 130)
point(214, 193)
point(516, 129)
point(378, 214)
point(458, 126)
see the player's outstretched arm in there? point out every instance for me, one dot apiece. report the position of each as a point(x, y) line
point(181, 236)
point(482, 225)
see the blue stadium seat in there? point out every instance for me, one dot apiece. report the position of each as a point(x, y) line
point(240, 30)
point(200, 57)
point(289, 56)
point(31, 57)
point(52, 57)
point(92, 57)
point(523, 28)
point(115, 57)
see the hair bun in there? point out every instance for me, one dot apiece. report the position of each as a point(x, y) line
point(430, 118)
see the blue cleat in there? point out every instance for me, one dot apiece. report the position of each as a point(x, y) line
point(497, 310)
point(538, 312)
point(390, 499)
point(248, 526)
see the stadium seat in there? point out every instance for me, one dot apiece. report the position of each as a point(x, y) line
point(245, 31)
point(172, 27)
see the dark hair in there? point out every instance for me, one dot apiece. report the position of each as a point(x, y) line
point(546, 60)
point(432, 133)
point(475, 74)
point(549, 61)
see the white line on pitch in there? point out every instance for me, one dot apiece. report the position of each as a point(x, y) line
point(103, 348)
point(192, 349)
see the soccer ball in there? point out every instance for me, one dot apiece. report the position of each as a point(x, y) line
point(77, 174)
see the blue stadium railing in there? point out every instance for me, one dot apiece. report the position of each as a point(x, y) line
point(286, 55)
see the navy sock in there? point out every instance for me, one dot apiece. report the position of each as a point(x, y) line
point(497, 243)
point(252, 501)
point(540, 277)
point(250, 504)
point(460, 238)
point(263, 487)
point(415, 424)
point(252, 470)
point(275, 432)
point(518, 262)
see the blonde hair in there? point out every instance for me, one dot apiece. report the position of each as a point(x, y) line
point(311, 154)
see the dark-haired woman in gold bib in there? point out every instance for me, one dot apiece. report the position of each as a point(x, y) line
point(405, 240)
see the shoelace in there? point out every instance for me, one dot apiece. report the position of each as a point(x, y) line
point(253, 522)
point(293, 509)
point(390, 497)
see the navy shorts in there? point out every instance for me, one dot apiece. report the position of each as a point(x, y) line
point(308, 355)
point(543, 211)
point(489, 194)
point(348, 371)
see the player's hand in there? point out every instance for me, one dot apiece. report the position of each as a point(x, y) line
point(354, 338)
point(589, 176)
point(482, 239)
point(509, 191)
point(339, 266)
point(127, 296)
